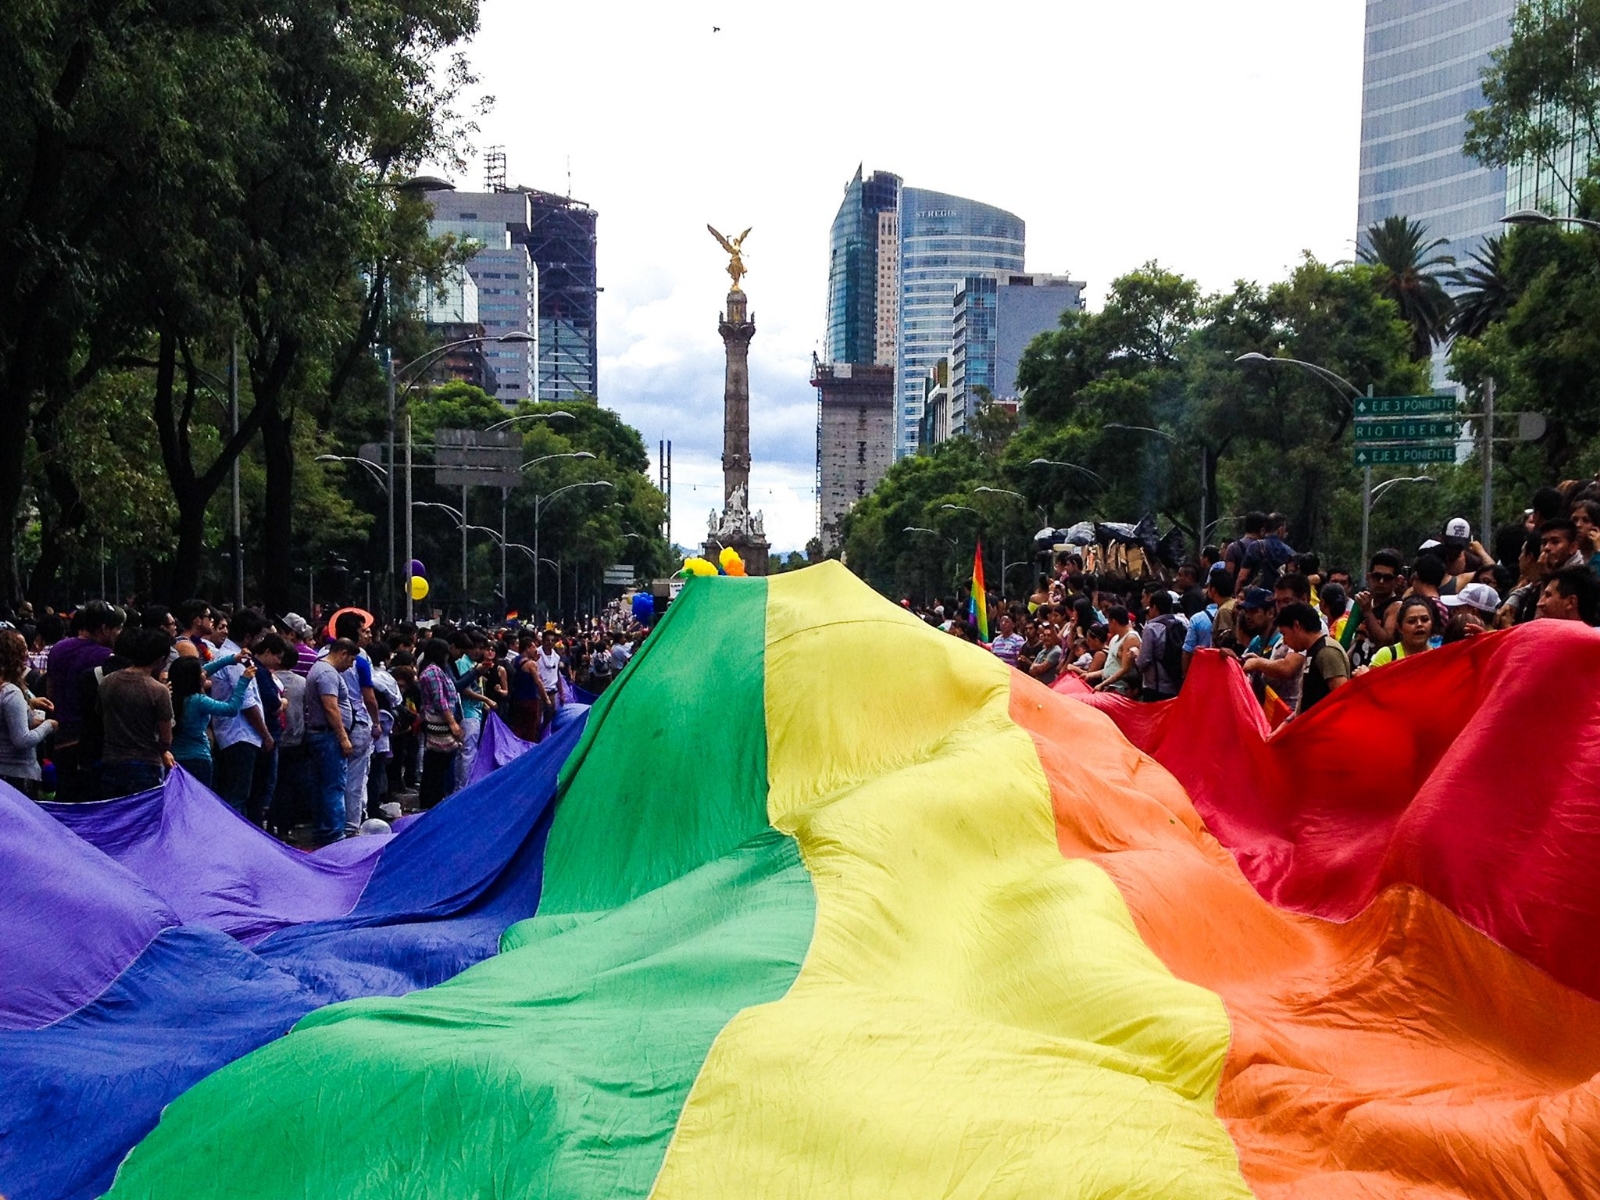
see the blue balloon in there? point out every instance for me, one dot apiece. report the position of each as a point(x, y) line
point(644, 607)
point(416, 567)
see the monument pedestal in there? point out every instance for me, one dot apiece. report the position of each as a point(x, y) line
point(754, 551)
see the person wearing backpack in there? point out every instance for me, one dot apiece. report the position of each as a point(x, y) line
point(1265, 559)
point(1160, 658)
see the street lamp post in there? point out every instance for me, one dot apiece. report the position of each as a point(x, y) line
point(539, 505)
point(1347, 392)
point(1205, 461)
point(534, 462)
point(415, 370)
point(461, 519)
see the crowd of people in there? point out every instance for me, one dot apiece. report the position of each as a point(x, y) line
point(1300, 629)
point(308, 730)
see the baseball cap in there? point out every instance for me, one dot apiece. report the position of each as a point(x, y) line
point(1257, 598)
point(298, 625)
point(1457, 532)
point(1475, 595)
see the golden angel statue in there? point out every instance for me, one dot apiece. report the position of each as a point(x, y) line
point(736, 260)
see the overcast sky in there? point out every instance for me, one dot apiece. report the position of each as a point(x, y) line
point(1219, 138)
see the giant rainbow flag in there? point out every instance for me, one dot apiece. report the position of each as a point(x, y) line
point(835, 905)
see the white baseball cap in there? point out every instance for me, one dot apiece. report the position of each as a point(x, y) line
point(1475, 595)
point(1457, 530)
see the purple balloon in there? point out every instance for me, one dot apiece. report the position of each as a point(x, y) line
point(417, 567)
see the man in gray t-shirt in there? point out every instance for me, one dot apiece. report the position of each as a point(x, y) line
point(324, 679)
point(328, 721)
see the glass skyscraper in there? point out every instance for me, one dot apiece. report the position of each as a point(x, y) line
point(1423, 63)
point(853, 268)
point(943, 240)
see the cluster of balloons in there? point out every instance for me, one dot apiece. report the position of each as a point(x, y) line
point(728, 563)
point(419, 581)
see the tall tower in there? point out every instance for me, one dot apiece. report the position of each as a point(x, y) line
point(738, 527)
point(736, 329)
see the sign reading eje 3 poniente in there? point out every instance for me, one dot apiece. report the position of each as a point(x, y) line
point(1402, 406)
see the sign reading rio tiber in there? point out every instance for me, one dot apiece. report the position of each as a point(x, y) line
point(1394, 430)
point(1405, 431)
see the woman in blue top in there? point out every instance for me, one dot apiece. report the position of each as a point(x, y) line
point(192, 711)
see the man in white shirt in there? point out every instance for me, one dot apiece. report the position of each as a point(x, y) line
point(548, 665)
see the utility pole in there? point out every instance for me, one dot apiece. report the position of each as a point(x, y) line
point(410, 605)
point(1486, 442)
point(1366, 509)
point(389, 571)
point(463, 553)
point(233, 408)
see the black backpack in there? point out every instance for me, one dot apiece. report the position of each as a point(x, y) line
point(1172, 634)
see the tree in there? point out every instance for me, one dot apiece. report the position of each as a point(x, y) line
point(1542, 94)
point(1400, 248)
point(1483, 293)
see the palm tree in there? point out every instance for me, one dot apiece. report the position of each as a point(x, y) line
point(1400, 247)
point(1483, 293)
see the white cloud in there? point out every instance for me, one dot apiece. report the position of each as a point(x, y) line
point(1220, 138)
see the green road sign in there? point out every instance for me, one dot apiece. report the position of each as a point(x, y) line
point(1405, 431)
point(1403, 406)
point(1380, 456)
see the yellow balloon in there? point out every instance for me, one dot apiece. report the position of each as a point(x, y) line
point(419, 588)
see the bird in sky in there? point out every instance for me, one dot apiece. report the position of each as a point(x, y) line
point(716, 29)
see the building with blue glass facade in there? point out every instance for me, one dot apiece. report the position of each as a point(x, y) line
point(943, 240)
point(1423, 61)
point(853, 268)
point(993, 318)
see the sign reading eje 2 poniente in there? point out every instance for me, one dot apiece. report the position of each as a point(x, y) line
point(1368, 455)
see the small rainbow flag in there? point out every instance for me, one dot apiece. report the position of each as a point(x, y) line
point(978, 606)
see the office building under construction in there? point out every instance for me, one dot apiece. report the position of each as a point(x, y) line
point(561, 242)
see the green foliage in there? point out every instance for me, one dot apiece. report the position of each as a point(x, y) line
point(1483, 292)
point(1408, 274)
point(1542, 89)
point(580, 529)
point(1126, 407)
point(1544, 355)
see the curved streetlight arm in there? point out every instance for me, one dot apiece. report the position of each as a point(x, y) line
point(1050, 462)
point(1532, 216)
point(377, 472)
point(960, 508)
point(527, 417)
point(1389, 483)
point(1331, 378)
point(569, 487)
point(1044, 515)
point(416, 366)
point(533, 462)
point(925, 529)
point(1141, 429)
point(454, 512)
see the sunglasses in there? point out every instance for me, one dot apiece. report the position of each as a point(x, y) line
point(1386, 577)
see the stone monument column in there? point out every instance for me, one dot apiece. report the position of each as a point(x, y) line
point(738, 526)
point(736, 329)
